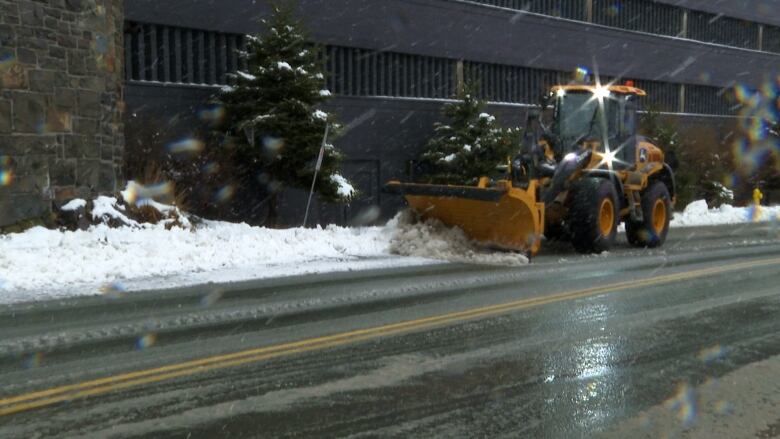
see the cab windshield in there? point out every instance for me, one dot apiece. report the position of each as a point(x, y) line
point(580, 116)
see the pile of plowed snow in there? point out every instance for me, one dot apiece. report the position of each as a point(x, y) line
point(43, 263)
point(432, 239)
point(44, 259)
point(699, 214)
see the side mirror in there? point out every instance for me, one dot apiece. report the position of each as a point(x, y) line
point(544, 100)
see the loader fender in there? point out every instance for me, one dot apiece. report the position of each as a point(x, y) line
point(666, 176)
point(570, 164)
point(616, 181)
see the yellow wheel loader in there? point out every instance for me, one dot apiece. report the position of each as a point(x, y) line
point(575, 178)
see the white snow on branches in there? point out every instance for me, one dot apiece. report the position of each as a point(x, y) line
point(283, 66)
point(74, 204)
point(319, 114)
point(487, 116)
point(106, 207)
point(246, 75)
point(345, 190)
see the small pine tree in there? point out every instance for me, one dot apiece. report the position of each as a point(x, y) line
point(664, 135)
point(272, 112)
point(469, 146)
point(699, 173)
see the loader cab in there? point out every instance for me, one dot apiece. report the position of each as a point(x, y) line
point(586, 113)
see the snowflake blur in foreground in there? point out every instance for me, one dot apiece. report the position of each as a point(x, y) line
point(6, 178)
point(146, 341)
point(758, 115)
point(187, 145)
point(683, 403)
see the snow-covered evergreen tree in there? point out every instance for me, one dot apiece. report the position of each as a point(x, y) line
point(469, 146)
point(273, 114)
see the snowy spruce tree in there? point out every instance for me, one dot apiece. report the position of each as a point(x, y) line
point(470, 145)
point(273, 117)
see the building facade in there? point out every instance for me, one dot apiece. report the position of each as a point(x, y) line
point(391, 64)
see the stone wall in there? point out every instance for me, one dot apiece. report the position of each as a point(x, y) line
point(61, 133)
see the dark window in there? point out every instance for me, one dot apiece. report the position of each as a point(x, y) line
point(703, 26)
point(639, 15)
point(362, 72)
point(702, 99)
point(176, 55)
point(772, 39)
point(571, 9)
point(501, 83)
point(655, 18)
point(661, 96)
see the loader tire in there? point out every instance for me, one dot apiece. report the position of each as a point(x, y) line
point(656, 211)
point(593, 215)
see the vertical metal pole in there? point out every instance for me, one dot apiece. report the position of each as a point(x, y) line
point(188, 43)
point(460, 81)
point(141, 55)
point(760, 37)
point(177, 56)
point(589, 11)
point(166, 53)
point(681, 106)
point(684, 30)
point(154, 57)
point(316, 171)
point(129, 36)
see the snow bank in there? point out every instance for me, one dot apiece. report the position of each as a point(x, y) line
point(41, 262)
point(432, 239)
point(698, 214)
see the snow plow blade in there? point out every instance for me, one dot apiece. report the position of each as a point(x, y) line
point(502, 216)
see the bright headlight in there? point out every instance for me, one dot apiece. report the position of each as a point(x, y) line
point(601, 92)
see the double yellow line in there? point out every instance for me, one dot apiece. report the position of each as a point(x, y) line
point(33, 400)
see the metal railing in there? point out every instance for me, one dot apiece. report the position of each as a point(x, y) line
point(655, 18)
point(167, 54)
point(719, 29)
point(178, 55)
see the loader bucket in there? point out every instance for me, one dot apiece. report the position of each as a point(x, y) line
point(504, 217)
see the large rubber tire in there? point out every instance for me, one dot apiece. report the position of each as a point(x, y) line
point(593, 215)
point(656, 211)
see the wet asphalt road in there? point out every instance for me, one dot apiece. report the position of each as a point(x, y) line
point(693, 356)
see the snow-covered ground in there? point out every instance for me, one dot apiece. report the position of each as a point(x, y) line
point(42, 263)
point(697, 214)
point(49, 263)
